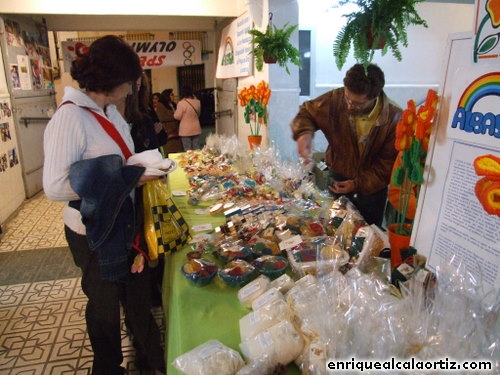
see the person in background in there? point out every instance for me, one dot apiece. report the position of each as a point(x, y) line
point(188, 113)
point(148, 134)
point(359, 122)
point(165, 110)
point(80, 155)
point(146, 129)
point(155, 98)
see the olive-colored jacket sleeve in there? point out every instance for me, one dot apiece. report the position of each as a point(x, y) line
point(328, 113)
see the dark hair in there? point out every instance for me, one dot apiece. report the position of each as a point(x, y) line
point(106, 64)
point(369, 82)
point(187, 91)
point(165, 97)
point(137, 104)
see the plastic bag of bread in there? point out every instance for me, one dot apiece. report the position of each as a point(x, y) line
point(312, 360)
point(270, 295)
point(255, 288)
point(209, 358)
point(281, 344)
point(263, 318)
point(283, 283)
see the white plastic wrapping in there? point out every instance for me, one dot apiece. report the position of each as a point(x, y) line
point(209, 358)
point(280, 344)
point(255, 288)
point(283, 283)
point(267, 297)
point(263, 318)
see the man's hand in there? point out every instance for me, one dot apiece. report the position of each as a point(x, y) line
point(304, 146)
point(343, 187)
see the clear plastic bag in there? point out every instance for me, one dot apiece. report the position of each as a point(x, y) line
point(209, 358)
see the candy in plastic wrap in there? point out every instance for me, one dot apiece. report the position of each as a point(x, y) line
point(210, 358)
point(336, 213)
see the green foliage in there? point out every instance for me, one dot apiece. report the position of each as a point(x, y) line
point(387, 22)
point(274, 44)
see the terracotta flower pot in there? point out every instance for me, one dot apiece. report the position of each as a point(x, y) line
point(371, 39)
point(254, 141)
point(397, 242)
point(270, 59)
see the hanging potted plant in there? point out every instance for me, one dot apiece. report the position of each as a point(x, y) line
point(273, 46)
point(255, 100)
point(378, 24)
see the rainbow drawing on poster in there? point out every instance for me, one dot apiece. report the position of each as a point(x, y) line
point(486, 85)
point(476, 122)
point(228, 57)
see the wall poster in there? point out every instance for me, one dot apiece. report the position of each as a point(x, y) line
point(235, 58)
point(458, 217)
point(152, 53)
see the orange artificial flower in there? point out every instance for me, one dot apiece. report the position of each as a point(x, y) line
point(255, 100)
point(493, 9)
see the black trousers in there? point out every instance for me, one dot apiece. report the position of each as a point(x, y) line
point(103, 313)
point(370, 206)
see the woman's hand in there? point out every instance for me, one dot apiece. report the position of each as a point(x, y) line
point(145, 178)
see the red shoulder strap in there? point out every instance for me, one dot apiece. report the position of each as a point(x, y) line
point(109, 128)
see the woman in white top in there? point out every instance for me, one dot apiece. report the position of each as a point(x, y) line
point(105, 73)
point(188, 113)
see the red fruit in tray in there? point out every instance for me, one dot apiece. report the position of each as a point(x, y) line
point(279, 264)
point(210, 268)
point(316, 228)
point(236, 271)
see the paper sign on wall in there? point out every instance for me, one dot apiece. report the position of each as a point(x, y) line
point(234, 58)
point(455, 220)
point(152, 53)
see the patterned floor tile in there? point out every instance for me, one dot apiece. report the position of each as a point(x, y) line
point(37, 224)
point(42, 313)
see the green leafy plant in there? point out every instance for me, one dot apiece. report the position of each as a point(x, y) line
point(378, 24)
point(273, 46)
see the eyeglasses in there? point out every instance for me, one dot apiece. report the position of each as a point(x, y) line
point(358, 104)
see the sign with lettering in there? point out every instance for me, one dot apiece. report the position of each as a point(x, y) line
point(235, 58)
point(153, 53)
point(458, 215)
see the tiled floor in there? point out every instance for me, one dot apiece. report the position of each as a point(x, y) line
point(42, 326)
point(37, 225)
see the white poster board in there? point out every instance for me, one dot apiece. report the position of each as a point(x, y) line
point(235, 58)
point(451, 223)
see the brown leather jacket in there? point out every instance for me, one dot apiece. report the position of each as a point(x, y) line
point(371, 171)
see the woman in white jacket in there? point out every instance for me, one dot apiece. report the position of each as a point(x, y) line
point(105, 73)
point(188, 113)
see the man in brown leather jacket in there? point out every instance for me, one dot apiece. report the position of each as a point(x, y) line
point(359, 123)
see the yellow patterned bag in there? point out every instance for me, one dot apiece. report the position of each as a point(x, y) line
point(165, 228)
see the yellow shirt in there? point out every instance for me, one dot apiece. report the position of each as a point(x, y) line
point(364, 124)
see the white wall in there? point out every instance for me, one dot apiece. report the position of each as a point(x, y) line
point(421, 68)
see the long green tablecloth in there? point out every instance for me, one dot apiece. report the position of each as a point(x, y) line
point(195, 315)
